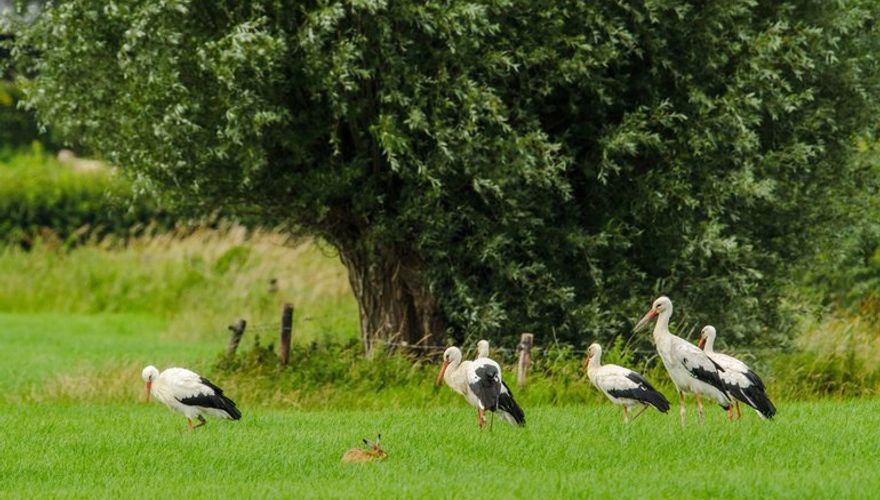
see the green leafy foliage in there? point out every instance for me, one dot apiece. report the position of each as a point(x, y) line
point(17, 127)
point(547, 166)
point(41, 197)
point(847, 274)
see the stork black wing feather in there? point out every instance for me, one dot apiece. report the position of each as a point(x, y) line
point(218, 391)
point(644, 392)
point(754, 395)
point(217, 400)
point(507, 404)
point(487, 387)
point(707, 376)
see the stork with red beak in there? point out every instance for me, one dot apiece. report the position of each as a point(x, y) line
point(188, 393)
point(690, 369)
point(741, 382)
point(479, 381)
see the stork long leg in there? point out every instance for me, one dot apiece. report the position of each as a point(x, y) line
point(681, 408)
point(189, 424)
point(625, 414)
point(482, 416)
point(645, 407)
point(739, 414)
point(491, 421)
point(730, 412)
point(700, 407)
point(202, 422)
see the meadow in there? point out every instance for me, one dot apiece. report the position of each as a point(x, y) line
point(79, 322)
point(484, 175)
point(75, 424)
point(138, 451)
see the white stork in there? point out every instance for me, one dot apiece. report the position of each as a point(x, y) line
point(188, 393)
point(479, 381)
point(690, 369)
point(507, 408)
point(622, 385)
point(741, 382)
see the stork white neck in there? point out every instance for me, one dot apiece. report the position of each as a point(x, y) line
point(452, 369)
point(661, 328)
point(452, 372)
point(483, 349)
point(708, 339)
point(595, 359)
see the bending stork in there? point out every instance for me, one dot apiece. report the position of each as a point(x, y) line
point(741, 382)
point(478, 381)
point(622, 385)
point(690, 369)
point(188, 393)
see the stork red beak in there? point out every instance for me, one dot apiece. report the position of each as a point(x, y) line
point(586, 361)
point(645, 319)
point(149, 386)
point(442, 372)
point(702, 342)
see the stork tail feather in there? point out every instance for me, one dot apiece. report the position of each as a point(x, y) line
point(657, 400)
point(507, 404)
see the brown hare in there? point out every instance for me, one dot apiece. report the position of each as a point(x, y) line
point(372, 452)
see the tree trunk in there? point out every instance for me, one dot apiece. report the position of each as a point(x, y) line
point(396, 306)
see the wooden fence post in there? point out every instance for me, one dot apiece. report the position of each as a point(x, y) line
point(286, 330)
point(237, 329)
point(525, 359)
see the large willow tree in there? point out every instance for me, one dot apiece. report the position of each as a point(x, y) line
point(485, 168)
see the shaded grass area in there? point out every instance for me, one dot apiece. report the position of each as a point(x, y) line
point(135, 450)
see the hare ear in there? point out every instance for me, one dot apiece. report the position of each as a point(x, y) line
point(367, 442)
point(378, 439)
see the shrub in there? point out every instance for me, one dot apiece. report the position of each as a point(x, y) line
point(18, 127)
point(39, 195)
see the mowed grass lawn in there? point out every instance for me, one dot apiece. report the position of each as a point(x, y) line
point(826, 449)
point(38, 348)
point(77, 443)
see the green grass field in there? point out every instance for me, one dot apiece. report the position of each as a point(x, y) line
point(134, 450)
point(74, 423)
point(79, 442)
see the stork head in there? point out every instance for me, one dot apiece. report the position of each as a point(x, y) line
point(483, 349)
point(594, 351)
point(707, 337)
point(150, 374)
point(661, 306)
point(451, 356)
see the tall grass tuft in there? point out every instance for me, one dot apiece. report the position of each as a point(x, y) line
point(837, 355)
